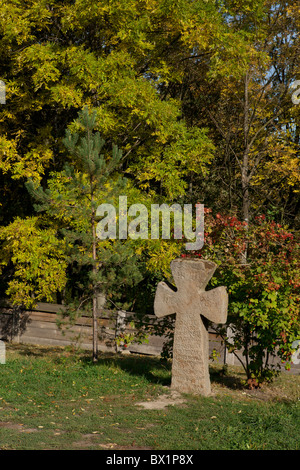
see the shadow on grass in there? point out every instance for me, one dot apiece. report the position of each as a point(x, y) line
point(155, 369)
point(159, 371)
point(32, 350)
point(223, 377)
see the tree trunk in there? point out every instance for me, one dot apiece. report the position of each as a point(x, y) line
point(94, 255)
point(245, 170)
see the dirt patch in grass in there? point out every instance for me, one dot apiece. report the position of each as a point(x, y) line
point(87, 441)
point(18, 427)
point(175, 398)
point(114, 446)
point(92, 441)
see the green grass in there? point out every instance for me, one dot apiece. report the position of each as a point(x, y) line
point(52, 399)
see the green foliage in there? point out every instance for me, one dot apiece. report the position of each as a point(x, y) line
point(37, 258)
point(263, 293)
point(115, 57)
point(195, 95)
point(71, 200)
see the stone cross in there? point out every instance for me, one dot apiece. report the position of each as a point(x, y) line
point(190, 372)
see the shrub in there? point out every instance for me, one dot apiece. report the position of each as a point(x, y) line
point(259, 264)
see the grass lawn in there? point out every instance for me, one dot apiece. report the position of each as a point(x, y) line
point(53, 399)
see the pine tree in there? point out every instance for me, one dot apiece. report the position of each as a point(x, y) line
point(72, 198)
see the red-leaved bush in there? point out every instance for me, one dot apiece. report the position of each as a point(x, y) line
point(260, 265)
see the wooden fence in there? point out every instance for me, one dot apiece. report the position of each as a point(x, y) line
point(40, 326)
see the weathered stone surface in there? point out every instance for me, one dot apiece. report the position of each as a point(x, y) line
point(190, 372)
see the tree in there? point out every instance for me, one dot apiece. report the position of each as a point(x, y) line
point(57, 57)
point(251, 117)
point(72, 198)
